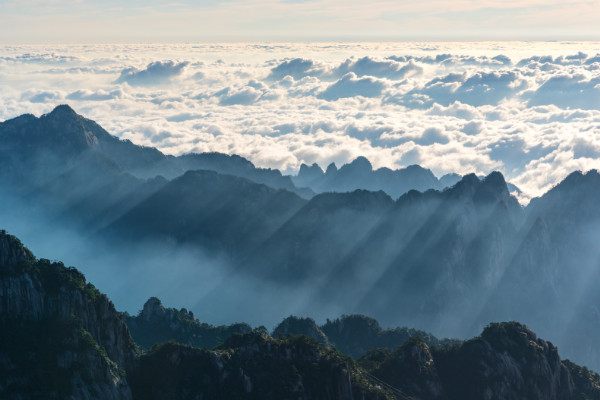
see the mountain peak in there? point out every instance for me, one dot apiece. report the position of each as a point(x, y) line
point(331, 169)
point(63, 110)
point(495, 179)
point(12, 251)
point(310, 172)
point(152, 309)
point(361, 163)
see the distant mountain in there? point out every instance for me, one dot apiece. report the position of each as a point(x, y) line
point(218, 212)
point(78, 170)
point(310, 243)
point(156, 324)
point(442, 251)
point(359, 174)
point(300, 326)
point(352, 335)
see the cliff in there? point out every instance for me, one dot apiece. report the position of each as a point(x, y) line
point(60, 337)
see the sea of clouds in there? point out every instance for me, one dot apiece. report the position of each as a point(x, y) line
point(529, 110)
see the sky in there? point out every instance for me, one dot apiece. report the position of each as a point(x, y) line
point(94, 21)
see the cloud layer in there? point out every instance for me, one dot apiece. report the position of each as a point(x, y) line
point(529, 110)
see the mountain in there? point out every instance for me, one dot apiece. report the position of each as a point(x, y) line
point(508, 361)
point(448, 261)
point(359, 174)
point(62, 135)
point(63, 339)
point(252, 366)
point(59, 337)
point(442, 251)
point(218, 212)
point(554, 272)
point(79, 171)
point(308, 244)
point(355, 335)
point(352, 335)
point(301, 326)
point(239, 166)
point(156, 324)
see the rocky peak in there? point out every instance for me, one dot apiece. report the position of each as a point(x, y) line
point(360, 164)
point(12, 251)
point(308, 175)
point(300, 326)
point(414, 351)
point(153, 310)
point(62, 111)
point(331, 169)
point(313, 171)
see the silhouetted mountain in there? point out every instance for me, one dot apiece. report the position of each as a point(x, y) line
point(442, 251)
point(355, 335)
point(219, 212)
point(352, 335)
point(156, 324)
point(359, 174)
point(300, 326)
point(554, 273)
point(323, 231)
point(239, 166)
point(76, 169)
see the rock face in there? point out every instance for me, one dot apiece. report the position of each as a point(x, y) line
point(71, 332)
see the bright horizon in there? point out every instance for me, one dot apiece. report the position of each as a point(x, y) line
point(79, 21)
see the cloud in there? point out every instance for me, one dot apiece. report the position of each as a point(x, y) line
point(476, 89)
point(569, 91)
point(244, 96)
point(100, 95)
point(431, 136)
point(45, 97)
point(155, 73)
point(378, 68)
point(296, 68)
point(351, 86)
point(445, 106)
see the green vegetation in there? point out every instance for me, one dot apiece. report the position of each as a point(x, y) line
point(355, 335)
point(252, 366)
point(48, 358)
point(156, 324)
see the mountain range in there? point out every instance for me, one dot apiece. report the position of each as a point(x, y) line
point(63, 339)
point(399, 246)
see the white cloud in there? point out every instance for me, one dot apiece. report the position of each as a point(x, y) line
point(531, 111)
point(155, 73)
point(351, 86)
